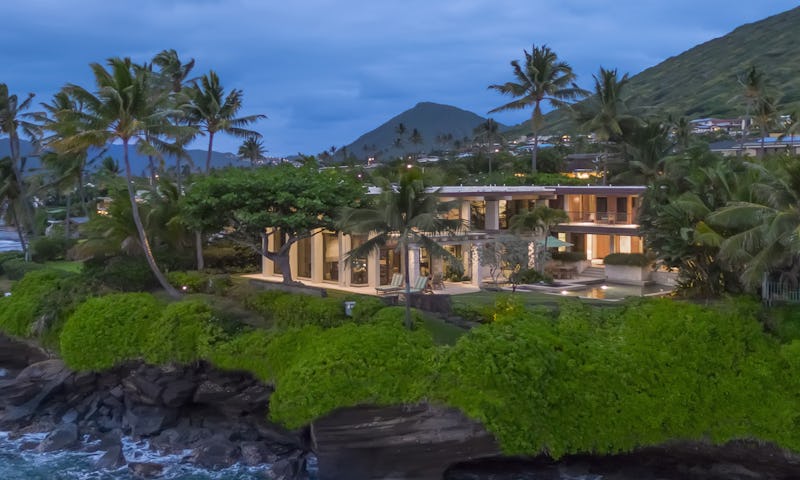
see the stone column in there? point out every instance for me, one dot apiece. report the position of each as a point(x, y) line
point(492, 215)
point(317, 257)
point(413, 263)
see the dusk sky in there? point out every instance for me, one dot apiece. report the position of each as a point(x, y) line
point(326, 71)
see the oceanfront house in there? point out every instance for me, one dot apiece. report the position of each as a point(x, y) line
point(602, 220)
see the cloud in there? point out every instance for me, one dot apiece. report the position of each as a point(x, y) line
point(326, 71)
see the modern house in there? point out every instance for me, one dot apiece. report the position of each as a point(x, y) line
point(602, 221)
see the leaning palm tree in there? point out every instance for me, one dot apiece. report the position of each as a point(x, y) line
point(408, 213)
point(215, 112)
point(252, 149)
point(10, 200)
point(125, 109)
point(13, 118)
point(542, 77)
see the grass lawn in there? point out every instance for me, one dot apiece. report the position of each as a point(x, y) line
point(72, 267)
point(529, 299)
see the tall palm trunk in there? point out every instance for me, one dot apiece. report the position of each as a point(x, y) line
point(408, 323)
point(535, 143)
point(20, 234)
point(148, 253)
point(26, 224)
point(208, 155)
point(66, 218)
point(198, 235)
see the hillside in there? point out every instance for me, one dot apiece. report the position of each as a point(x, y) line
point(702, 81)
point(138, 162)
point(432, 120)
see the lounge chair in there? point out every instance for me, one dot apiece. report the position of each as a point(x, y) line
point(394, 286)
point(420, 285)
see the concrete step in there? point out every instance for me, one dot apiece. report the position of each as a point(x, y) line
point(594, 272)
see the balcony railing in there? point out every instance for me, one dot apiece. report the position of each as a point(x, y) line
point(605, 218)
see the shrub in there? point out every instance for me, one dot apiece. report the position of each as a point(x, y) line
point(45, 249)
point(568, 256)
point(366, 307)
point(106, 331)
point(231, 258)
point(16, 268)
point(184, 333)
point(396, 316)
point(284, 310)
point(528, 276)
point(609, 382)
point(351, 365)
point(123, 273)
point(5, 256)
point(474, 313)
point(628, 259)
point(28, 299)
point(199, 282)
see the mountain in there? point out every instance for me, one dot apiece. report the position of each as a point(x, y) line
point(432, 120)
point(703, 81)
point(139, 163)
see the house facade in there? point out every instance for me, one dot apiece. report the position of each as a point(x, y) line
point(602, 220)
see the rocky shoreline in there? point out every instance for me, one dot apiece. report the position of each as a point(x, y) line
point(218, 417)
point(213, 419)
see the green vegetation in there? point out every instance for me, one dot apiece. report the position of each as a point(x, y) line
point(568, 256)
point(106, 331)
point(575, 379)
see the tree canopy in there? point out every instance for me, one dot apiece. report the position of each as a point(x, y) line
point(292, 202)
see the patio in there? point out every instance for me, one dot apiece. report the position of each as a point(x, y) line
point(450, 288)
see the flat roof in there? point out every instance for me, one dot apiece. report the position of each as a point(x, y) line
point(470, 190)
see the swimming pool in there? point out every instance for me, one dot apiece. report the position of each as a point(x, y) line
point(611, 291)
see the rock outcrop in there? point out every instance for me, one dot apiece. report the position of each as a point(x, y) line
point(219, 416)
point(396, 442)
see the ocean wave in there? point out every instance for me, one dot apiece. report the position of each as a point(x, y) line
point(18, 461)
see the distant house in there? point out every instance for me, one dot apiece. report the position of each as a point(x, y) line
point(53, 226)
point(789, 144)
point(712, 125)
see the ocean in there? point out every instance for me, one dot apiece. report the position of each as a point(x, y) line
point(18, 462)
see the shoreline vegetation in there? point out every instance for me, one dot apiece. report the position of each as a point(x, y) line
point(578, 380)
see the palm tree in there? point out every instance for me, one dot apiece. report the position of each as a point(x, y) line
point(125, 109)
point(766, 116)
point(542, 77)
point(215, 112)
point(647, 146)
point(10, 198)
point(753, 89)
point(13, 118)
point(416, 138)
point(408, 213)
point(605, 113)
point(488, 133)
point(252, 149)
point(760, 236)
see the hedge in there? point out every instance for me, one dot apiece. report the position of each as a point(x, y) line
point(29, 299)
point(185, 332)
point(283, 310)
point(629, 259)
point(106, 331)
point(568, 256)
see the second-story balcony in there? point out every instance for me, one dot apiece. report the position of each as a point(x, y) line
point(603, 218)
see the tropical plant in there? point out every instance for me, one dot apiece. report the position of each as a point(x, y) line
point(538, 222)
point(408, 213)
point(541, 77)
point(126, 108)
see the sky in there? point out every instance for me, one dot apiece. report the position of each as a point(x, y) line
point(326, 71)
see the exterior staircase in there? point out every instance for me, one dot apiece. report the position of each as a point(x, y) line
point(594, 274)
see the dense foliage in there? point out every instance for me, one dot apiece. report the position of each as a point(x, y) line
point(109, 330)
point(588, 379)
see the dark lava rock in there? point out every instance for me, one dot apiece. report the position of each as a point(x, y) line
point(404, 441)
point(145, 420)
point(145, 469)
point(293, 467)
point(256, 453)
point(112, 459)
point(63, 437)
point(214, 453)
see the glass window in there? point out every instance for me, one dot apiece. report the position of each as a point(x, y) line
point(330, 257)
point(304, 258)
point(358, 265)
point(477, 215)
point(278, 242)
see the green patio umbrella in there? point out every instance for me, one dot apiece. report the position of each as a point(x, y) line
point(553, 242)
